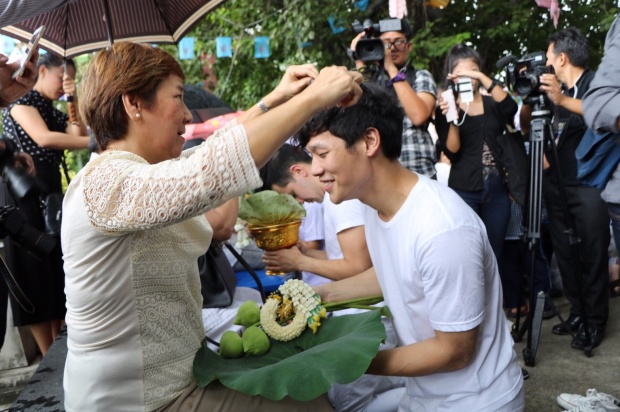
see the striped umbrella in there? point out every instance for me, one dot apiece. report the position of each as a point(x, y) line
point(87, 25)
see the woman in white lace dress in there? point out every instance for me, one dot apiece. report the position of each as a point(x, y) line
point(134, 227)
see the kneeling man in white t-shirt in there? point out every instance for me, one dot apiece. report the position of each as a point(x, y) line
point(432, 263)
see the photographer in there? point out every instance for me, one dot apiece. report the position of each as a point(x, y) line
point(476, 175)
point(416, 92)
point(568, 54)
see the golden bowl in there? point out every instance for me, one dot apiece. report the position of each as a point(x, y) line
point(276, 237)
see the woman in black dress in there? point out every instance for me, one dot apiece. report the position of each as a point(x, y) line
point(42, 131)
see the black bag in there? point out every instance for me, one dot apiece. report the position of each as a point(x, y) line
point(51, 206)
point(512, 156)
point(217, 278)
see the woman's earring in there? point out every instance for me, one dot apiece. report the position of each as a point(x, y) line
point(138, 115)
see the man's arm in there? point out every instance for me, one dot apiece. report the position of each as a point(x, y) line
point(601, 109)
point(446, 352)
point(354, 250)
point(358, 286)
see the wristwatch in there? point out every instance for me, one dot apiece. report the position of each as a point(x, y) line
point(398, 78)
point(493, 84)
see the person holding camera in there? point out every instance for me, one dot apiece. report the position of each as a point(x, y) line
point(416, 92)
point(568, 54)
point(38, 128)
point(469, 142)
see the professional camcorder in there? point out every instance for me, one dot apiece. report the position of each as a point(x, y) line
point(523, 75)
point(371, 48)
point(21, 185)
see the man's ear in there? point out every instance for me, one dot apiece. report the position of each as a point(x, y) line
point(297, 170)
point(372, 139)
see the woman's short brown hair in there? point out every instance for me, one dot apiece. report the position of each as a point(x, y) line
point(124, 68)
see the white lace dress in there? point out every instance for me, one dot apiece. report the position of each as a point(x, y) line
point(131, 235)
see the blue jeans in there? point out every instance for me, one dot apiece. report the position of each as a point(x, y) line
point(614, 214)
point(492, 204)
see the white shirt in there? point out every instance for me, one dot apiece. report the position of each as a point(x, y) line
point(311, 229)
point(437, 271)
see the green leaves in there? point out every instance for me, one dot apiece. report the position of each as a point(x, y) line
point(268, 207)
point(303, 368)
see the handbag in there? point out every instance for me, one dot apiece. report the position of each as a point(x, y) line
point(51, 206)
point(217, 278)
point(513, 158)
point(597, 157)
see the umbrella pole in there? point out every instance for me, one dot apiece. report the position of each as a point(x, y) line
point(108, 23)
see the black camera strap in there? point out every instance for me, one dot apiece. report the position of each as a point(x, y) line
point(14, 289)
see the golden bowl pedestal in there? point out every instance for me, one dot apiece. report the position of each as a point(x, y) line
point(276, 237)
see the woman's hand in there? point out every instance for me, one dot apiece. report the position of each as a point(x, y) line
point(443, 105)
point(357, 39)
point(294, 81)
point(12, 89)
point(68, 85)
point(26, 162)
point(336, 85)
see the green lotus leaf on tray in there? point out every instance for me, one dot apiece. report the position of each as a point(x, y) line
point(303, 368)
point(268, 208)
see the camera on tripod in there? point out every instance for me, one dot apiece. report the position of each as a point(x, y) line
point(523, 75)
point(371, 48)
point(21, 185)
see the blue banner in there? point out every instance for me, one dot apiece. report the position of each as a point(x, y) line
point(332, 24)
point(186, 48)
point(261, 47)
point(223, 46)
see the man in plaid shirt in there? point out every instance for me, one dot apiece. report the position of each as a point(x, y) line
point(416, 91)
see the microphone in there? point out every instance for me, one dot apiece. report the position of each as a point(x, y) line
point(501, 63)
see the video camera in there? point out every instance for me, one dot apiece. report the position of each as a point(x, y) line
point(21, 185)
point(523, 75)
point(371, 48)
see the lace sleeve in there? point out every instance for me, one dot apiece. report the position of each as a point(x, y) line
point(123, 193)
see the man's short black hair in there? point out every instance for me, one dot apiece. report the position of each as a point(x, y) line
point(376, 108)
point(573, 43)
point(277, 170)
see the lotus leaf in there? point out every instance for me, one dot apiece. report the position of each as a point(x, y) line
point(303, 368)
point(268, 208)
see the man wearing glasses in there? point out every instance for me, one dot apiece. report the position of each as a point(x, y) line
point(417, 93)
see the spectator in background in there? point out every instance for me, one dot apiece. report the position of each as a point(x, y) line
point(41, 130)
point(601, 111)
point(415, 90)
point(583, 266)
point(476, 174)
point(345, 251)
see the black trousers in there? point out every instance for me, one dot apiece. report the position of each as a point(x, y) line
point(591, 219)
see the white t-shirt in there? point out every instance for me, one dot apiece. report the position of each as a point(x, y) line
point(437, 271)
point(311, 229)
point(337, 218)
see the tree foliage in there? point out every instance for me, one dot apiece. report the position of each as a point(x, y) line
point(299, 32)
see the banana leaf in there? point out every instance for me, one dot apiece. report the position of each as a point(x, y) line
point(268, 208)
point(303, 368)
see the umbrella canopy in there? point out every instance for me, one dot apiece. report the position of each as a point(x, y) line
point(87, 25)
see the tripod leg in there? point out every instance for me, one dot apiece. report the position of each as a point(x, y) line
point(530, 357)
